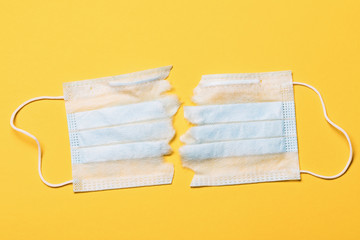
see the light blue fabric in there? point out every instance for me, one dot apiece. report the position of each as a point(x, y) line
point(208, 114)
point(233, 148)
point(123, 114)
point(233, 131)
point(123, 151)
point(157, 130)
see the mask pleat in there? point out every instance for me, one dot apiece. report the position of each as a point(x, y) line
point(123, 151)
point(238, 148)
point(234, 112)
point(236, 131)
point(126, 133)
point(124, 114)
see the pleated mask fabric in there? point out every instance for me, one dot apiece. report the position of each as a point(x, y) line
point(120, 128)
point(245, 130)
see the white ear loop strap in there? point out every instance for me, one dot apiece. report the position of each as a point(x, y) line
point(12, 119)
point(338, 128)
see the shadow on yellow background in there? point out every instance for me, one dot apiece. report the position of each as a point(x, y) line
point(46, 43)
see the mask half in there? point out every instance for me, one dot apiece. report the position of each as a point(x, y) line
point(119, 129)
point(245, 130)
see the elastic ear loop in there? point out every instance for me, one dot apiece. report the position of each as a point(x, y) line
point(12, 119)
point(338, 128)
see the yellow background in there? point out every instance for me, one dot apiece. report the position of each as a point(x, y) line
point(45, 43)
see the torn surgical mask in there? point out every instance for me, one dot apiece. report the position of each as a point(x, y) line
point(245, 130)
point(119, 128)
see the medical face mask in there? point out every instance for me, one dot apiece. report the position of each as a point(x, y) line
point(245, 130)
point(119, 129)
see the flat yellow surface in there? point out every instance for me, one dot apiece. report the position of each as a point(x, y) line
point(46, 43)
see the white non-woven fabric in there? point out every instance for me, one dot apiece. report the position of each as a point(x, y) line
point(140, 83)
